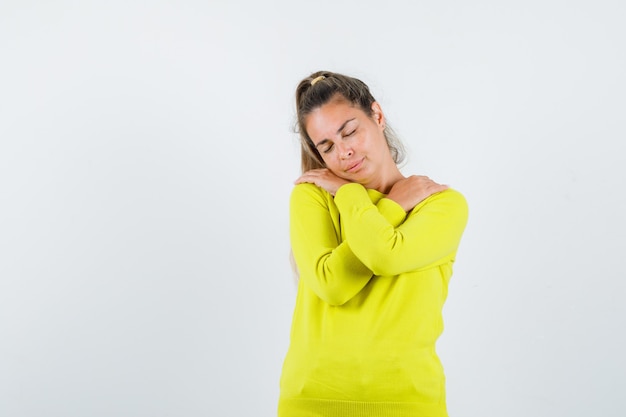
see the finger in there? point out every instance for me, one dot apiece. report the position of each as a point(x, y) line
point(303, 179)
point(317, 171)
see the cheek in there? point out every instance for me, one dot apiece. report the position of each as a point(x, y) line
point(330, 161)
point(333, 164)
point(381, 142)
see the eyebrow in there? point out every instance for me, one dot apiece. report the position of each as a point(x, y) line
point(323, 141)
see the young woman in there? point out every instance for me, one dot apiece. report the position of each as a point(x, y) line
point(374, 251)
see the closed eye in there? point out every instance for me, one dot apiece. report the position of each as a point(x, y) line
point(328, 148)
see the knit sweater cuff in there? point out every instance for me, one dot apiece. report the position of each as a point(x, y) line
point(393, 212)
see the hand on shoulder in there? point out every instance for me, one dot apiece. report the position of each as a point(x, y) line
point(410, 191)
point(323, 178)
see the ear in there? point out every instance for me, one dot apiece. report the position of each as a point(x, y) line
point(378, 115)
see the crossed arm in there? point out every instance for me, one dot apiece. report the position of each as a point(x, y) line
point(379, 239)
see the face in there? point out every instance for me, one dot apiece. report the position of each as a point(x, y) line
point(351, 143)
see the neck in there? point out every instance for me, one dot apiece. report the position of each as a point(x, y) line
point(387, 180)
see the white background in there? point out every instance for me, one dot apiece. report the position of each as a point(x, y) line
point(146, 160)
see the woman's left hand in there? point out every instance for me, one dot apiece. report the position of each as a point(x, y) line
point(323, 178)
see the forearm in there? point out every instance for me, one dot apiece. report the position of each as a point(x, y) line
point(327, 265)
point(430, 233)
point(335, 275)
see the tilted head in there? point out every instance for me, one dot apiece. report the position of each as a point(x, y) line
point(322, 87)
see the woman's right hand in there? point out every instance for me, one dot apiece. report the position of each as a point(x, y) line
point(323, 178)
point(410, 191)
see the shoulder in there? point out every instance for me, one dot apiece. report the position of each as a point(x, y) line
point(452, 195)
point(448, 200)
point(303, 194)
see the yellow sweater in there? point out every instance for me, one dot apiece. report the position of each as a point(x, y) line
point(373, 281)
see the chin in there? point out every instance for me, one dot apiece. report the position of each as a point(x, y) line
point(343, 176)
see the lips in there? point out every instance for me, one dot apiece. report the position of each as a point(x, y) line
point(355, 166)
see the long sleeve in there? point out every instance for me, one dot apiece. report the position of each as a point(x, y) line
point(325, 262)
point(430, 234)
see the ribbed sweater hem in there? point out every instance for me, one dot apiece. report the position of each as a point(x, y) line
point(305, 407)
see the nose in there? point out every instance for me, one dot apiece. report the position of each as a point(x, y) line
point(345, 152)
